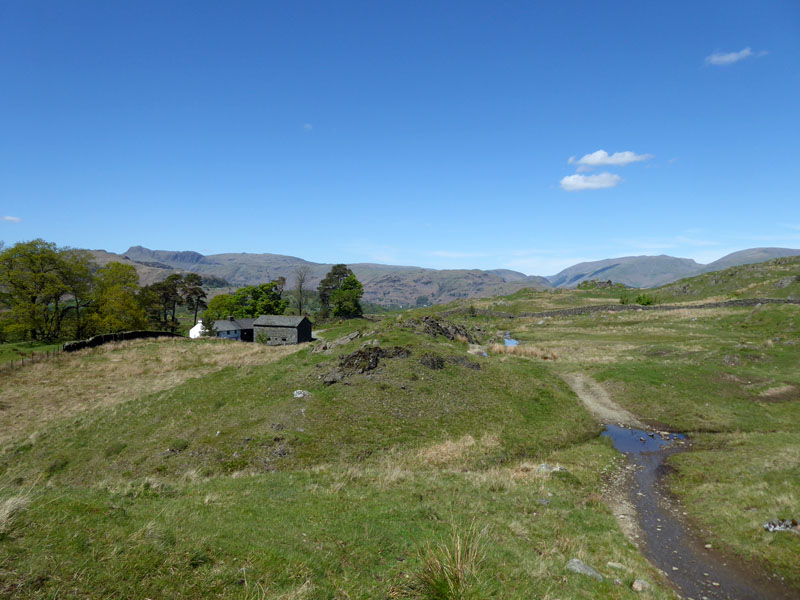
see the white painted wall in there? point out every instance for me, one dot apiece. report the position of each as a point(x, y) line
point(195, 331)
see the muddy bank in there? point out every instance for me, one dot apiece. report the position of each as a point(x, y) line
point(672, 545)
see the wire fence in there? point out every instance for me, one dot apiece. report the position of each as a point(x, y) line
point(98, 340)
point(29, 359)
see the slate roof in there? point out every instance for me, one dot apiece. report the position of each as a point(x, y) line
point(232, 325)
point(279, 321)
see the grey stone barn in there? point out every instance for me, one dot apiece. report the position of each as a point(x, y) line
point(282, 329)
point(235, 329)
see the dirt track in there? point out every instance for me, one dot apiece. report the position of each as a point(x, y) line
point(598, 402)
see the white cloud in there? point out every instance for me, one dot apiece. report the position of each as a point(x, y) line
point(601, 158)
point(307, 127)
point(12, 219)
point(721, 59)
point(575, 183)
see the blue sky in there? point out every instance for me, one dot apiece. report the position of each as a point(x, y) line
point(463, 134)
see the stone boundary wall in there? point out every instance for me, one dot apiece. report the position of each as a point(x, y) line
point(104, 338)
point(585, 310)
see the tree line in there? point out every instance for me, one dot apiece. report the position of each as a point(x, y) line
point(50, 293)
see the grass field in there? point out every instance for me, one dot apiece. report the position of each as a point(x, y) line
point(188, 469)
point(17, 351)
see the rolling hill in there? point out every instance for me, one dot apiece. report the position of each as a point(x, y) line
point(396, 285)
point(389, 285)
point(654, 271)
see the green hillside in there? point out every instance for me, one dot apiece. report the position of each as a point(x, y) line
point(189, 469)
point(777, 278)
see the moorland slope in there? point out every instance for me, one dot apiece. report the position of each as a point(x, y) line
point(192, 469)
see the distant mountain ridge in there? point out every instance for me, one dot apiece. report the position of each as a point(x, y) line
point(396, 285)
point(390, 285)
point(654, 271)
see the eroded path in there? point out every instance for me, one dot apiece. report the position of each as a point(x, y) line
point(598, 402)
point(649, 518)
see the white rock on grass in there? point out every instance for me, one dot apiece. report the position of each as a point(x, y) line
point(300, 394)
point(640, 585)
point(578, 566)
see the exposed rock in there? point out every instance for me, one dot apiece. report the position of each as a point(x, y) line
point(548, 469)
point(731, 360)
point(334, 376)
point(616, 565)
point(337, 342)
point(464, 362)
point(432, 361)
point(363, 360)
point(578, 566)
point(300, 394)
point(435, 326)
point(640, 585)
point(782, 525)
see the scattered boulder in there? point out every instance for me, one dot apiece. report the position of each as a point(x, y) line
point(334, 376)
point(337, 342)
point(547, 469)
point(640, 585)
point(300, 394)
point(731, 360)
point(782, 525)
point(432, 361)
point(363, 360)
point(435, 326)
point(578, 566)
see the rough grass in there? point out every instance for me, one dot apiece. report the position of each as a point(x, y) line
point(224, 485)
point(450, 569)
point(218, 483)
point(734, 483)
point(17, 350)
point(112, 374)
point(11, 509)
point(526, 351)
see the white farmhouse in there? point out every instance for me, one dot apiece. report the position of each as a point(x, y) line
point(197, 330)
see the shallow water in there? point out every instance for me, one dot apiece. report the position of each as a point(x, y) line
point(636, 441)
point(670, 544)
point(509, 341)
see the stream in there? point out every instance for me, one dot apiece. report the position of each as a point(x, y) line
point(697, 571)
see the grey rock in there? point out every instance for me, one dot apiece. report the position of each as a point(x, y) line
point(640, 585)
point(548, 469)
point(616, 565)
point(300, 394)
point(578, 566)
point(333, 376)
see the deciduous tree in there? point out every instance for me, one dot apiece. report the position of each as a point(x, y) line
point(347, 299)
point(116, 299)
point(332, 282)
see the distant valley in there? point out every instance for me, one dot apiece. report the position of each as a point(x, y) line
point(394, 285)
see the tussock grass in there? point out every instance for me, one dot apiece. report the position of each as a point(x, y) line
point(523, 350)
point(11, 510)
point(450, 569)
